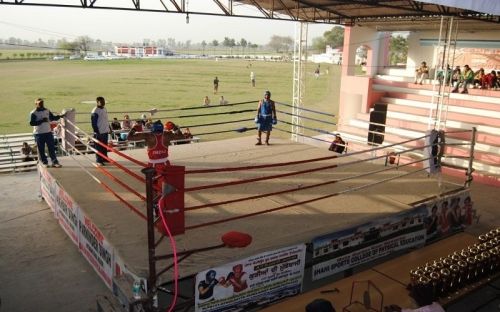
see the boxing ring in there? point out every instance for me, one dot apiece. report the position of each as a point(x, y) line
point(281, 195)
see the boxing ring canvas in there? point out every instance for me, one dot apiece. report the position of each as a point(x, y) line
point(114, 239)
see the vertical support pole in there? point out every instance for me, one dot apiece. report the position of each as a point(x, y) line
point(299, 57)
point(149, 173)
point(470, 168)
point(68, 135)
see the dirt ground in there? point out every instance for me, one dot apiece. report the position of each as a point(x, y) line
point(42, 270)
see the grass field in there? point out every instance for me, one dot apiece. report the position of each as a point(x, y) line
point(134, 85)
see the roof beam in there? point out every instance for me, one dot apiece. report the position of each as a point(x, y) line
point(260, 8)
point(222, 7)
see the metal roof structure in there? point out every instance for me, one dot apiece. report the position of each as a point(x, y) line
point(385, 15)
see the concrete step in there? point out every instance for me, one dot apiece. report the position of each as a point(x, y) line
point(451, 108)
point(450, 116)
point(490, 97)
point(460, 102)
point(484, 152)
point(465, 133)
point(449, 123)
point(486, 156)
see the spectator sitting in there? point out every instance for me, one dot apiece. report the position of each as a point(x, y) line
point(26, 151)
point(175, 129)
point(138, 125)
point(187, 135)
point(206, 101)
point(126, 123)
point(149, 123)
point(143, 120)
point(466, 79)
point(115, 124)
point(421, 73)
point(491, 80)
point(455, 76)
point(479, 79)
point(222, 101)
point(338, 145)
point(441, 75)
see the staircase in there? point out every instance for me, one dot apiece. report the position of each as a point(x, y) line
point(408, 106)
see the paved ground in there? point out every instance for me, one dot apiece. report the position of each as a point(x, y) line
point(42, 270)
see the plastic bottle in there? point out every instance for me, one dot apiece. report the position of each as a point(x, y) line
point(136, 289)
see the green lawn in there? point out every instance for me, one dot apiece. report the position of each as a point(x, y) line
point(134, 85)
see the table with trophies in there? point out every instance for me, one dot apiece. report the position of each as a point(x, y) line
point(455, 266)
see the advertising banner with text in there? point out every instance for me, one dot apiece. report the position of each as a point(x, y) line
point(48, 188)
point(95, 248)
point(67, 213)
point(251, 282)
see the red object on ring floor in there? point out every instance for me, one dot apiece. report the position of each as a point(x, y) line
point(236, 239)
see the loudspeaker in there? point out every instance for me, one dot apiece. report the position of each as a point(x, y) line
point(380, 107)
point(376, 129)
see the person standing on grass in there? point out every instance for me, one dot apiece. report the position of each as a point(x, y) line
point(100, 125)
point(216, 85)
point(40, 119)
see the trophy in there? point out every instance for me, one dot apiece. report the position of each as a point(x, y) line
point(455, 277)
point(446, 281)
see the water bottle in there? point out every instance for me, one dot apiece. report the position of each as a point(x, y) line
point(136, 290)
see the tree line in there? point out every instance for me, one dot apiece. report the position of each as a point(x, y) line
point(279, 44)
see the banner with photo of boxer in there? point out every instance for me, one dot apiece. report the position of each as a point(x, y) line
point(428, 220)
point(251, 282)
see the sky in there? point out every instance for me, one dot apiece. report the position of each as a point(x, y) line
point(32, 23)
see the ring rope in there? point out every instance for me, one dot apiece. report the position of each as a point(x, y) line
point(309, 118)
point(301, 202)
point(174, 109)
point(308, 128)
point(108, 188)
point(305, 136)
point(303, 161)
point(282, 175)
point(307, 110)
point(216, 123)
point(194, 115)
point(213, 114)
point(112, 161)
point(106, 172)
point(301, 188)
point(117, 152)
point(217, 132)
point(237, 182)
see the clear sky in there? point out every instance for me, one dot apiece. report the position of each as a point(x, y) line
point(32, 23)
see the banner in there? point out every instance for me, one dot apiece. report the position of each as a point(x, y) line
point(367, 254)
point(48, 188)
point(96, 249)
point(251, 282)
point(449, 214)
point(355, 238)
point(67, 213)
point(427, 221)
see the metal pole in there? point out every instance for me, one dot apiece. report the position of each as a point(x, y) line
point(149, 173)
point(470, 168)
